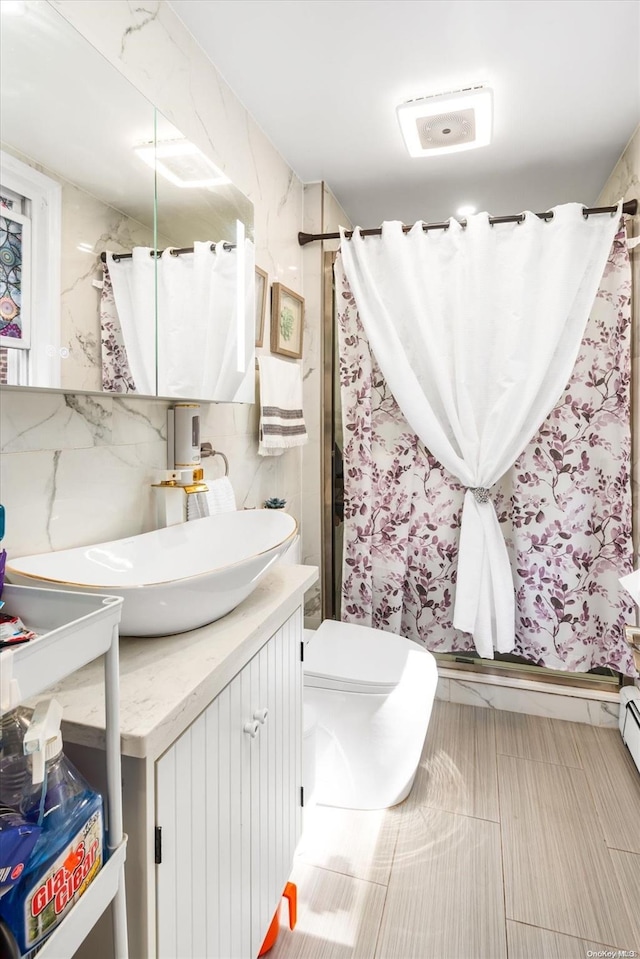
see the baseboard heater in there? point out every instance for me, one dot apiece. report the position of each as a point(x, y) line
point(630, 720)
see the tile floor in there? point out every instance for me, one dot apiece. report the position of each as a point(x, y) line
point(520, 839)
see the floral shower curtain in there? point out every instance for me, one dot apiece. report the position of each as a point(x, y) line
point(476, 331)
point(564, 508)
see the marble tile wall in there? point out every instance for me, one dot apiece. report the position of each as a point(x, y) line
point(578, 705)
point(76, 469)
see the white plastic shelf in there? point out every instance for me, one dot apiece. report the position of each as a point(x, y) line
point(74, 629)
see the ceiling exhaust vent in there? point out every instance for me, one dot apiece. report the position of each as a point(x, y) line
point(447, 123)
point(447, 129)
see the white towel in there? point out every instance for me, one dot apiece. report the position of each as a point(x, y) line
point(281, 420)
point(220, 498)
point(197, 507)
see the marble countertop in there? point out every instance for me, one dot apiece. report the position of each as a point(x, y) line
point(166, 682)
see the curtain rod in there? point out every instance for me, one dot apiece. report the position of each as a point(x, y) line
point(630, 207)
point(172, 251)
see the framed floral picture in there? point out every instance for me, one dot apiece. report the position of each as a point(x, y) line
point(262, 285)
point(287, 321)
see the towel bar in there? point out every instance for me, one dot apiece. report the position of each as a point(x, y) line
point(206, 449)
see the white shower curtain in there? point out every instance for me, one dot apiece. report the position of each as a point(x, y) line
point(203, 350)
point(476, 330)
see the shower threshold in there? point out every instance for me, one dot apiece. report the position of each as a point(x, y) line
point(605, 679)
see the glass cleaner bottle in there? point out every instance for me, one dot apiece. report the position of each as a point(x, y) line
point(70, 849)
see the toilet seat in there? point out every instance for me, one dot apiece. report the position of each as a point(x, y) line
point(354, 658)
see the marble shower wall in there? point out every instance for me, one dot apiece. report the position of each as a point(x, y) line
point(77, 469)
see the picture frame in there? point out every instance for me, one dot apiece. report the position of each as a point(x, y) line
point(262, 287)
point(287, 321)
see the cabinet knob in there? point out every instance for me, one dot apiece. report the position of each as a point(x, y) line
point(252, 728)
point(261, 715)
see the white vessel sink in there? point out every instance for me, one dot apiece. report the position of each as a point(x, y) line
point(171, 579)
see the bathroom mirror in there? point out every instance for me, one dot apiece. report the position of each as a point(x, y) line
point(88, 166)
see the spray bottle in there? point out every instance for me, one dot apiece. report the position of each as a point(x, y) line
point(17, 835)
point(70, 849)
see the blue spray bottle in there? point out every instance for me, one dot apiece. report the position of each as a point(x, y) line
point(70, 849)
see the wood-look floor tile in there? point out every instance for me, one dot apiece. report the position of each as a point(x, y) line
point(627, 867)
point(338, 917)
point(531, 942)
point(445, 894)
point(614, 782)
point(354, 842)
point(457, 771)
point(557, 870)
point(537, 737)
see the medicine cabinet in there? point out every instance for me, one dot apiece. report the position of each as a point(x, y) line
point(89, 165)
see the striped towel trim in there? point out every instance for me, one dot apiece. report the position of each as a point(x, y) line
point(281, 414)
point(271, 429)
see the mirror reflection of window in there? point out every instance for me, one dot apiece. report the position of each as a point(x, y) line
point(29, 273)
point(12, 313)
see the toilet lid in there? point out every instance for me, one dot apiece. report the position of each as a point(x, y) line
point(342, 654)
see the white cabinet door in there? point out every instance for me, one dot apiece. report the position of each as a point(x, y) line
point(203, 881)
point(276, 772)
point(228, 805)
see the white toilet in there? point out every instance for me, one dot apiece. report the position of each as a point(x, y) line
point(371, 693)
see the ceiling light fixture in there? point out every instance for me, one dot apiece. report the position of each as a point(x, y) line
point(448, 122)
point(182, 163)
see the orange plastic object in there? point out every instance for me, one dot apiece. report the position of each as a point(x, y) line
point(291, 895)
point(272, 935)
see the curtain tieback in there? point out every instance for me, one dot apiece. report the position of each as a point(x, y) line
point(481, 494)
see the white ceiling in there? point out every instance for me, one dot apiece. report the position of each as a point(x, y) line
point(323, 79)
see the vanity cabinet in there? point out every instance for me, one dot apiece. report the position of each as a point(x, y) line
point(228, 809)
point(211, 742)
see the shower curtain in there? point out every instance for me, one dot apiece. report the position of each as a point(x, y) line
point(564, 508)
point(132, 325)
point(150, 342)
point(197, 299)
point(116, 372)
